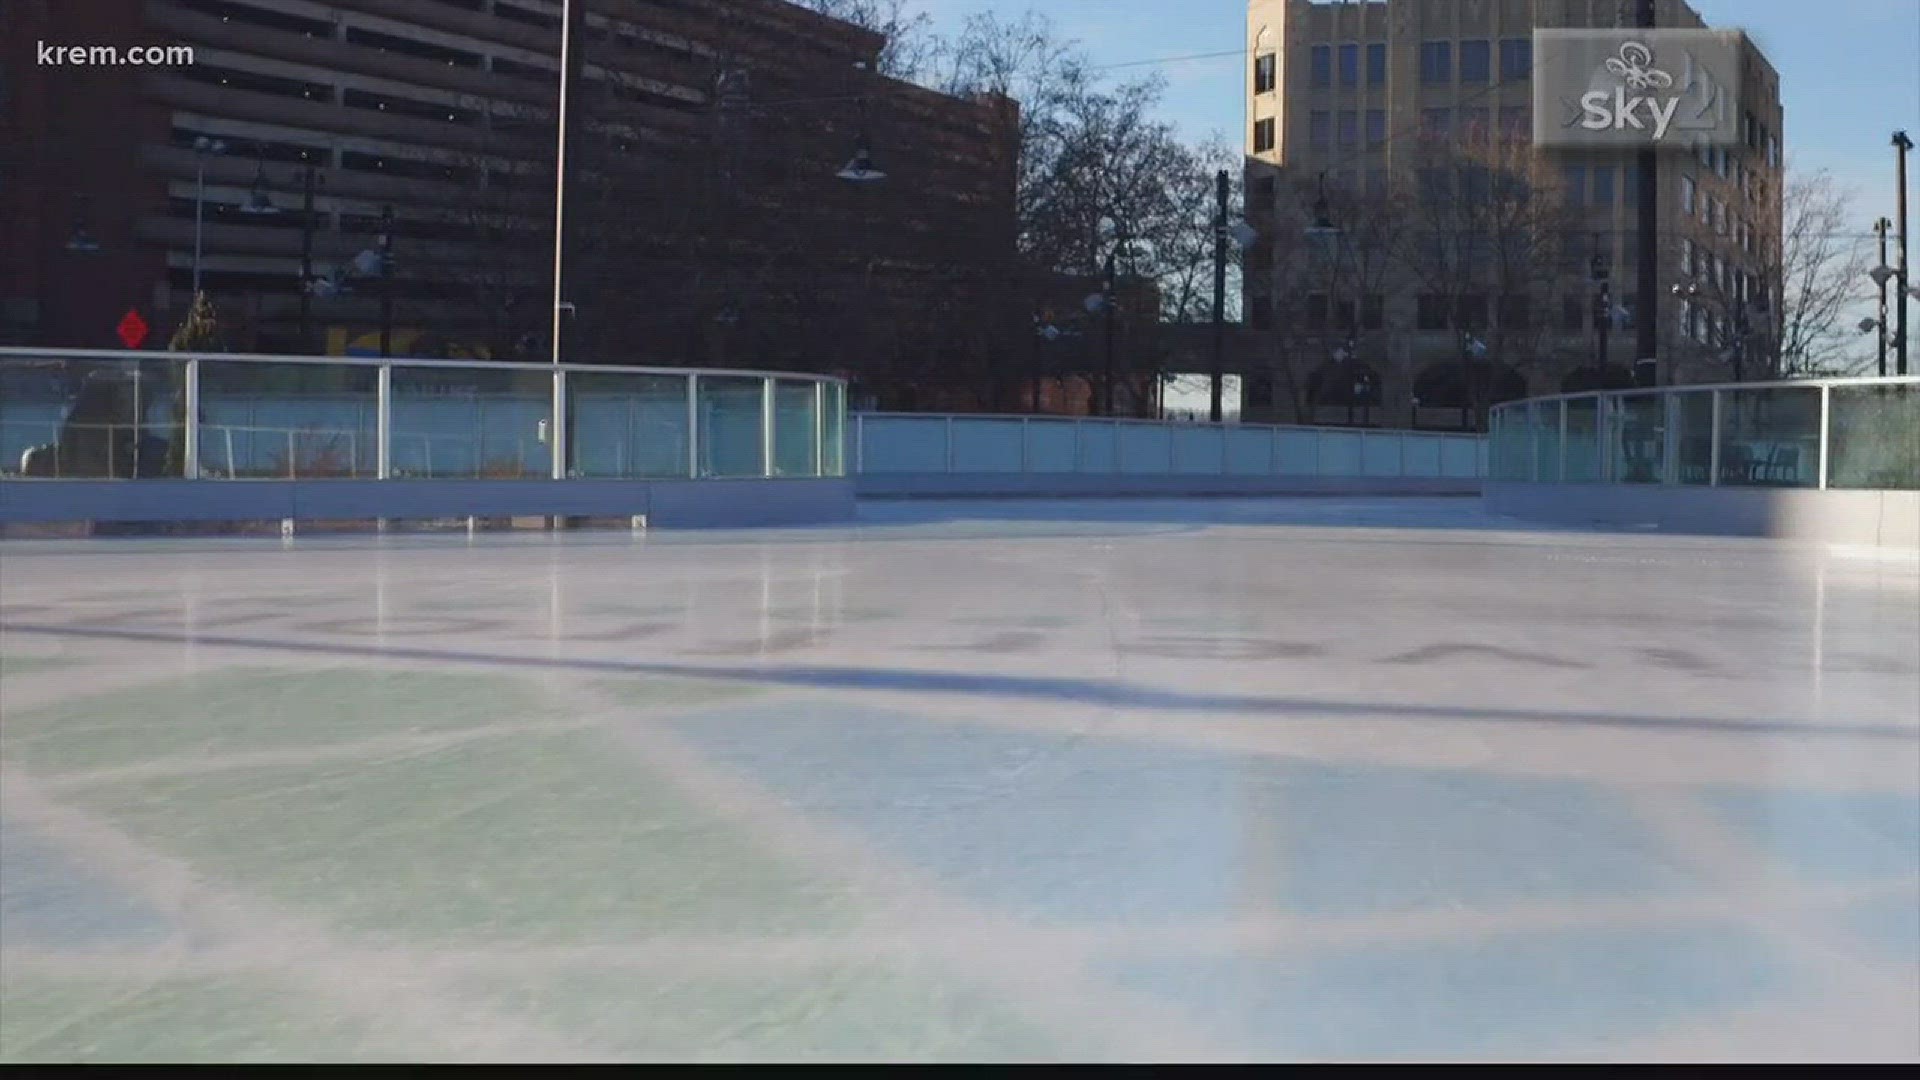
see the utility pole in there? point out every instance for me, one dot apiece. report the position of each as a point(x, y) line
point(1106, 309)
point(1219, 295)
point(307, 181)
point(1901, 144)
point(1880, 228)
point(1646, 324)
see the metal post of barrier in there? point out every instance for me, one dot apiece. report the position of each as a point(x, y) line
point(859, 443)
point(1670, 438)
point(1560, 476)
point(292, 473)
point(1713, 451)
point(1603, 420)
point(766, 427)
point(819, 429)
point(557, 448)
point(1826, 427)
point(693, 427)
point(382, 427)
point(190, 437)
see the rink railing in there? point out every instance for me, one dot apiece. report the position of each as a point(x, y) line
point(99, 414)
point(893, 444)
point(1854, 434)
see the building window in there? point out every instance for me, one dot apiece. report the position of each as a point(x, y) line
point(1602, 188)
point(1263, 134)
point(1377, 64)
point(1349, 127)
point(1350, 65)
point(1436, 123)
point(1470, 312)
point(1264, 70)
point(1316, 311)
point(1516, 121)
point(1376, 126)
point(1516, 59)
point(1430, 312)
point(1476, 123)
point(1476, 61)
point(1436, 185)
point(1630, 187)
point(1476, 184)
point(1376, 183)
point(1573, 308)
point(1686, 257)
point(1573, 178)
point(1686, 194)
point(1436, 62)
point(1373, 312)
point(1515, 313)
point(1265, 192)
point(1322, 67)
point(1319, 128)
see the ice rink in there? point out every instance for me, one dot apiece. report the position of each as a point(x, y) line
point(1212, 780)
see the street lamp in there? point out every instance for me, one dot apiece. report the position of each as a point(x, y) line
point(860, 168)
point(258, 202)
point(202, 146)
point(1901, 144)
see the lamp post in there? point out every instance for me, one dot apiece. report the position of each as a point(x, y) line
point(202, 146)
point(1646, 365)
point(559, 173)
point(1901, 144)
point(1880, 273)
point(1107, 306)
point(309, 177)
point(386, 282)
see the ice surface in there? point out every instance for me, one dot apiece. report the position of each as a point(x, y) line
point(1234, 779)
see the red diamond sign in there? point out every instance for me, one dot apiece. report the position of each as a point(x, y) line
point(132, 329)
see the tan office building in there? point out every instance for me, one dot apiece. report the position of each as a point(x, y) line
point(1356, 111)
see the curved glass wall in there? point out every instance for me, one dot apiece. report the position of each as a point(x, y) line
point(100, 414)
point(1812, 433)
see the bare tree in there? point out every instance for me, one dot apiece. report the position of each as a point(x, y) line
point(1489, 242)
point(1816, 269)
point(912, 51)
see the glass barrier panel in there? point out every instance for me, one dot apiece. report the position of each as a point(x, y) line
point(1636, 438)
point(1770, 437)
point(1583, 440)
point(833, 431)
point(1051, 444)
point(796, 442)
point(266, 421)
point(983, 445)
point(1874, 438)
point(1508, 427)
point(1546, 442)
point(1693, 443)
point(473, 423)
point(731, 425)
point(626, 425)
point(92, 419)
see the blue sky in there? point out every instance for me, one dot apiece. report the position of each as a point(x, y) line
point(1848, 69)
